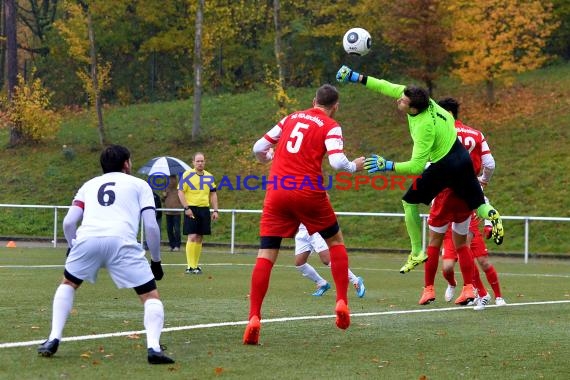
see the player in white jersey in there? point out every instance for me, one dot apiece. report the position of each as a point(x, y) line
point(305, 244)
point(109, 208)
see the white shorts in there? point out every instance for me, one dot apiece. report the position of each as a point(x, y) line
point(124, 259)
point(309, 243)
point(460, 228)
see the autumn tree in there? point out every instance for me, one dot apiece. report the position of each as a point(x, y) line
point(77, 30)
point(417, 30)
point(494, 39)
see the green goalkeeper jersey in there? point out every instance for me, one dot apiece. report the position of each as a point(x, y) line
point(433, 130)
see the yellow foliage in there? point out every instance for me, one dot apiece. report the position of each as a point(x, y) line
point(285, 103)
point(494, 39)
point(29, 111)
point(74, 31)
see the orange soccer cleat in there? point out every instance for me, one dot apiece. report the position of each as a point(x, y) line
point(428, 296)
point(342, 315)
point(467, 295)
point(251, 333)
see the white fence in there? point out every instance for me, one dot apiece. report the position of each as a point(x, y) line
point(526, 219)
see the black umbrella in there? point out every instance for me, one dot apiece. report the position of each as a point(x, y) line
point(165, 165)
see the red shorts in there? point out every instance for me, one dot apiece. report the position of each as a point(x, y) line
point(447, 208)
point(478, 247)
point(284, 210)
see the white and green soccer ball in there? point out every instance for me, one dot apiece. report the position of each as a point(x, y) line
point(357, 41)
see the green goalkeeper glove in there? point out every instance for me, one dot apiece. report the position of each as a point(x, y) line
point(376, 163)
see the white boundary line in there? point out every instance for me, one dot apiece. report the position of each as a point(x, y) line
point(52, 266)
point(273, 320)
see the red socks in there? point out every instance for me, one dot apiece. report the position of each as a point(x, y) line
point(259, 285)
point(493, 280)
point(466, 264)
point(430, 266)
point(339, 269)
point(477, 283)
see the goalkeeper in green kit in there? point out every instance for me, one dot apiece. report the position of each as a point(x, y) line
point(435, 141)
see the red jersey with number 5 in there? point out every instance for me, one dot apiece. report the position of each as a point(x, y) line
point(475, 143)
point(302, 139)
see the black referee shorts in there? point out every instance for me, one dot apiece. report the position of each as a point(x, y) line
point(454, 170)
point(201, 224)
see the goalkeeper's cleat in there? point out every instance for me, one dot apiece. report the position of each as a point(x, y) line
point(322, 290)
point(428, 295)
point(342, 315)
point(251, 333)
point(158, 357)
point(467, 295)
point(48, 348)
point(499, 301)
point(497, 231)
point(413, 261)
point(481, 302)
point(449, 293)
point(359, 287)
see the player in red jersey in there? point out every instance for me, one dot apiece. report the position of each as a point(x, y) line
point(448, 208)
point(481, 254)
point(295, 194)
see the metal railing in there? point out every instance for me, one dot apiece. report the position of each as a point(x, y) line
point(234, 212)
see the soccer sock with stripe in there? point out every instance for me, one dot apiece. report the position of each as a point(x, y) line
point(259, 284)
point(339, 269)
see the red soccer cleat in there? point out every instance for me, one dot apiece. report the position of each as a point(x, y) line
point(251, 333)
point(428, 296)
point(342, 315)
point(467, 295)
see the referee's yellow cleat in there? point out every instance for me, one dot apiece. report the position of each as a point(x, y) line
point(414, 261)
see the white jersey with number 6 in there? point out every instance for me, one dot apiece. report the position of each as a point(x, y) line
point(112, 205)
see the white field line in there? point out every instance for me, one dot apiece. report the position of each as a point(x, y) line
point(273, 320)
point(55, 266)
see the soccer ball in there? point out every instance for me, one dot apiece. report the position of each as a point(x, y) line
point(357, 41)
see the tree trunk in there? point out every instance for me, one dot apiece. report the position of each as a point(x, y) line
point(11, 62)
point(278, 49)
point(95, 82)
point(198, 70)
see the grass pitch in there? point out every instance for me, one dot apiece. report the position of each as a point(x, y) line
point(390, 336)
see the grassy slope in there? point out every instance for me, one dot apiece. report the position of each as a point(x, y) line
point(528, 138)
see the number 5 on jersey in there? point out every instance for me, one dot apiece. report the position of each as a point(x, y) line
point(296, 138)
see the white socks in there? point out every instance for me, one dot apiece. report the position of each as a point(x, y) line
point(62, 304)
point(308, 271)
point(153, 322)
